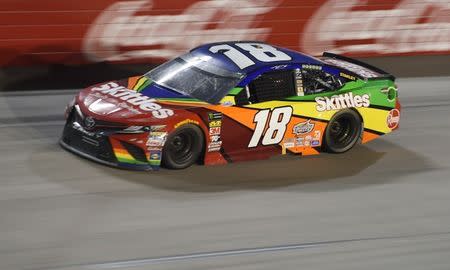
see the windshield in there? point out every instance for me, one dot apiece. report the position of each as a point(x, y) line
point(196, 76)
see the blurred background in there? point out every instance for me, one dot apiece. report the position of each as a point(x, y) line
point(51, 38)
point(383, 205)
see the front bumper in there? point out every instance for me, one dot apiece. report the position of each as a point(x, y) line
point(105, 148)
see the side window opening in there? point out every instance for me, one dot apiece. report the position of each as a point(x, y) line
point(272, 86)
point(281, 84)
point(318, 81)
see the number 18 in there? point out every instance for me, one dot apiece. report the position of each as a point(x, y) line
point(279, 118)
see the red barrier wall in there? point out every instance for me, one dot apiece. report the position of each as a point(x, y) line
point(147, 31)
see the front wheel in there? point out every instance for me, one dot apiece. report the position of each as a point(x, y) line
point(342, 132)
point(183, 147)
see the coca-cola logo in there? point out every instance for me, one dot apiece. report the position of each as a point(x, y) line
point(126, 30)
point(360, 26)
point(393, 118)
point(141, 29)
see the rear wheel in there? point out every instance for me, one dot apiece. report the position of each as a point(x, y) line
point(183, 147)
point(342, 132)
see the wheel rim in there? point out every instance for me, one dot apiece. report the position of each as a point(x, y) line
point(343, 131)
point(180, 147)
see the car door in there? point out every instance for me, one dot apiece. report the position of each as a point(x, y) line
point(262, 117)
point(272, 118)
point(283, 115)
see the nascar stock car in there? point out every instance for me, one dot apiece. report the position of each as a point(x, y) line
point(232, 101)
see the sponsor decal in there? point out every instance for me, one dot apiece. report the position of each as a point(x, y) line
point(393, 118)
point(214, 116)
point(133, 129)
point(347, 76)
point(279, 67)
point(186, 121)
point(129, 30)
point(77, 126)
point(215, 127)
point(314, 67)
point(342, 101)
point(317, 134)
point(299, 82)
point(156, 139)
point(214, 131)
point(215, 138)
point(133, 98)
point(289, 143)
point(157, 127)
point(215, 123)
point(307, 141)
point(303, 127)
point(214, 146)
point(155, 156)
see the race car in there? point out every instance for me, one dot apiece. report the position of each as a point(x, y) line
point(232, 101)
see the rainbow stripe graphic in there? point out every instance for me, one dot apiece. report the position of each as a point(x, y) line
point(138, 83)
point(122, 154)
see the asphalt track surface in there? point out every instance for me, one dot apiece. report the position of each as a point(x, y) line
point(384, 205)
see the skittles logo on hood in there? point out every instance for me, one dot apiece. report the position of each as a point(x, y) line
point(134, 98)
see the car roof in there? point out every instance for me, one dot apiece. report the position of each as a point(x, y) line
point(226, 63)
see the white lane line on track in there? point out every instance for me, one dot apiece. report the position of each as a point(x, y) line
point(234, 252)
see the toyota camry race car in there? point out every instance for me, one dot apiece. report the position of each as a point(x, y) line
point(232, 101)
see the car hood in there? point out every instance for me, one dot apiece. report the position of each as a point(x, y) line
point(136, 99)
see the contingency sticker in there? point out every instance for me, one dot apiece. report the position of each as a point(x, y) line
point(215, 126)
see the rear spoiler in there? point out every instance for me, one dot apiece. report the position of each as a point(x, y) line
point(358, 68)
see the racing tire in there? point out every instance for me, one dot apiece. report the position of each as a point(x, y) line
point(342, 132)
point(183, 147)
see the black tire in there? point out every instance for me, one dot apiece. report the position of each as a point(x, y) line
point(342, 132)
point(183, 147)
